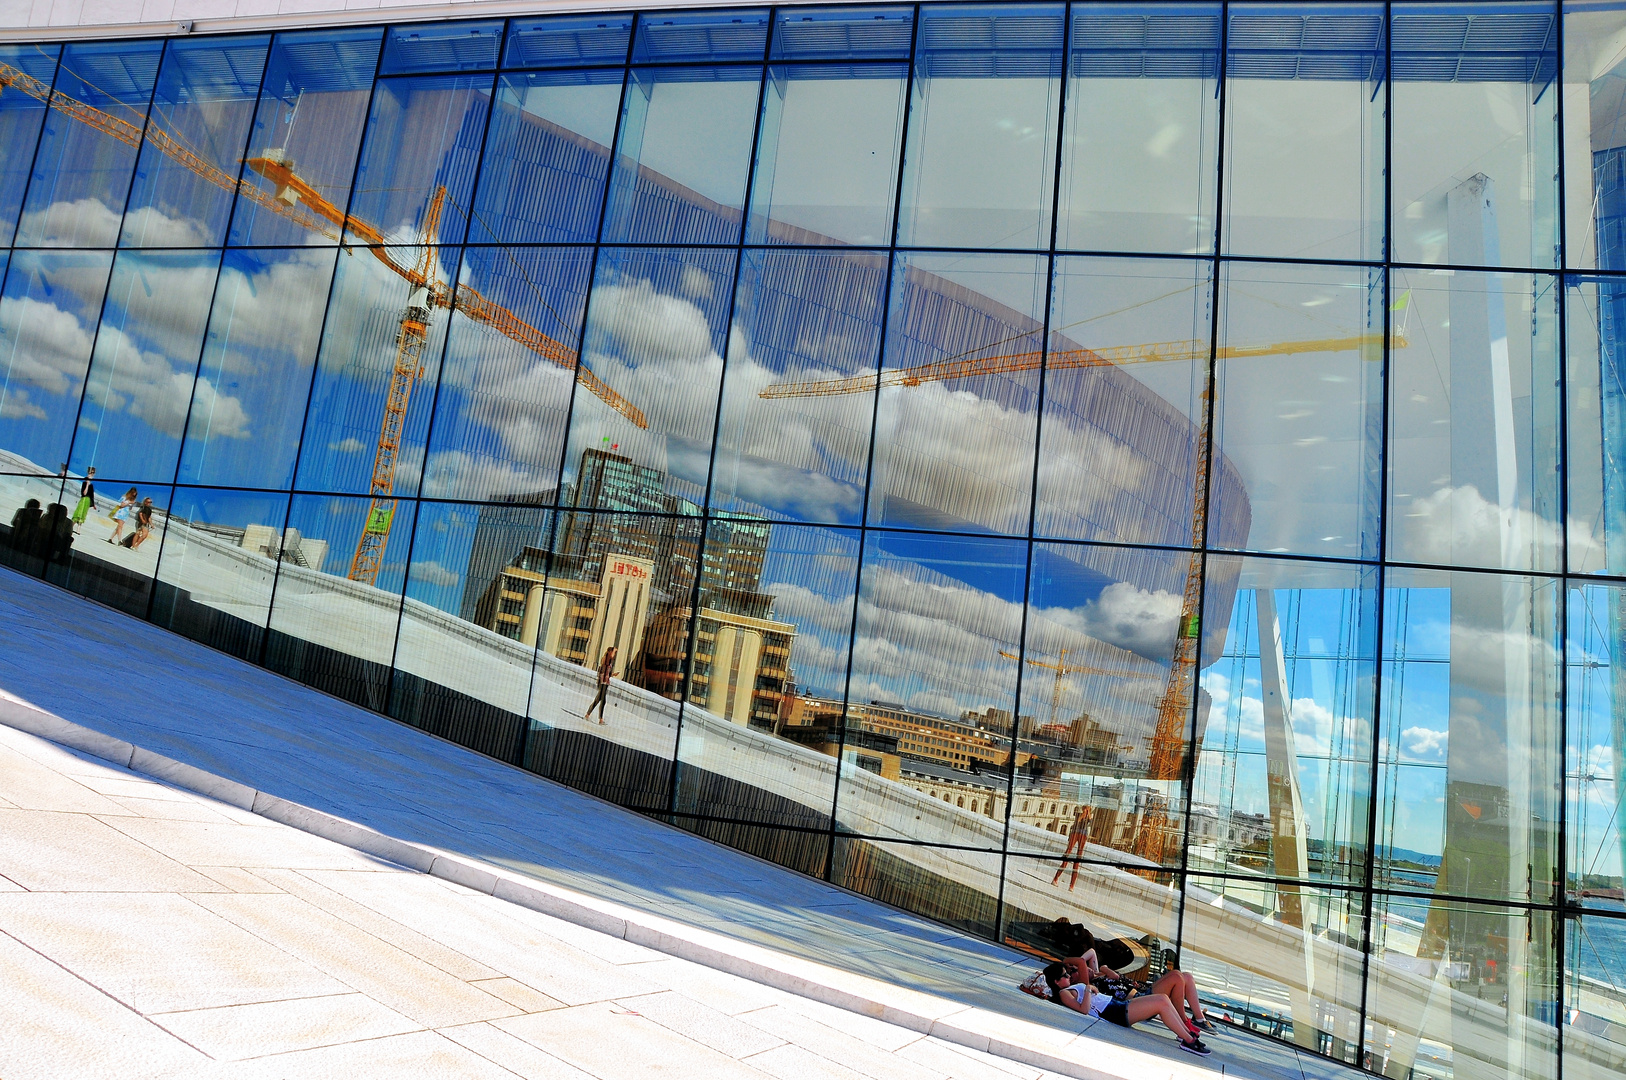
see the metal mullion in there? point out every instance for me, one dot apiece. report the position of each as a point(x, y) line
point(1560, 884)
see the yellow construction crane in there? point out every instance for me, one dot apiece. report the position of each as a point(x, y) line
point(300, 202)
point(1063, 669)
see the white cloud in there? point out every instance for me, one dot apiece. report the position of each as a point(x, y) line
point(1421, 742)
point(695, 283)
point(1459, 526)
point(1139, 620)
point(15, 405)
point(81, 223)
point(348, 445)
point(151, 228)
point(50, 347)
point(433, 573)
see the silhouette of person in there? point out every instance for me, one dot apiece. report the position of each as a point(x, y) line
point(606, 672)
point(24, 523)
point(55, 534)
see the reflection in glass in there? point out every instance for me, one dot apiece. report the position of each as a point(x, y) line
point(219, 565)
point(683, 155)
point(81, 174)
point(1299, 408)
point(1595, 670)
point(248, 405)
point(32, 530)
point(769, 652)
point(947, 885)
point(1469, 736)
point(1474, 137)
point(453, 46)
point(313, 104)
point(499, 423)
point(1595, 312)
point(22, 115)
point(1594, 152)
point(48, 316)
point(827, 155)
point(88, 560)
point(1594, 997)
point(142, 369)
point(1460, 990)
point(979, 167)
point(193, 149)
point(785, 448)
point(547, 153)
point(869, 32)
point(936, 614)
point(1111, 902)
point(1304, 131)
point(567, 40)
point(1473, 424)
point(699, 36)
point(656, 327)
point(1140, 151)
point(1123, 404)
point(335, 634)
point(956, 423)
point(1283, 784)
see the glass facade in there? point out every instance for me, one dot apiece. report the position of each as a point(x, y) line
point(1158, 465)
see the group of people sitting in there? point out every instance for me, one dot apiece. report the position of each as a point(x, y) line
point(1083, 983)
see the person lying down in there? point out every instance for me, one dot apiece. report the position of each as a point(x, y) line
point(1082, 996)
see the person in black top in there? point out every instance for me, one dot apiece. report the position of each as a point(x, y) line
point(87, 499)
point(143, 525)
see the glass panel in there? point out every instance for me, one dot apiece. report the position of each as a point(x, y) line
point(568, 41)
point(979, 168)
point(803, 318)
point(1473, 423)
point(81, 173)
point(957, 420)
point(1594, 77)
point(1469, 736)
point(1101, 629)
point(309, 123)
point(192, 155)
point(112, 560)
point(48, 316)
point(466, 684)
point(547, 153)
point(1127, 373)
point(139, 388)
point(1284, 788)
point(800, 850)
point(935, 615)
point(683, 156)
point(1474, 135)
point(769, 653)
point(22, 114)
point(218, 566)
point(347, 425)
point(37, 510)
point(947, 885)
point(1117, 906)
point(599, 604)
point(248, 405)
point(1596, 388)
point(1460, 991)
point(1280, 959)
point(1594, 998)
point(335, 634)
point(423, 137)
point(827, 157)
point(1595, 670)
point(843, 33)
point(1298, 418)
point(699, 36)
point(1304, 108)
point(499, 423)
point(1141, 149)
point(656, 325)
point(453, 46)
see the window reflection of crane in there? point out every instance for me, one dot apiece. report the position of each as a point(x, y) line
point(1168, 743)
point(297, 200)
point(1063, 669)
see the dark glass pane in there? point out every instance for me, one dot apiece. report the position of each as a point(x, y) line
point(785, 448)
point(82, 172)
point(936, 614)
point(1595, 674)
point(1113, 903)
point(567, 40)
point(111, 559)
point(767, 657)
point(22, 114)
point(219, 565)
point(506, 388)
point(328, 629)
point(139, 389)
point(805, 851)
point(656, 327)
point(701, 36)
point(683, 155)
point(547, 154)
point(956, 423)
point(453, 46)
point(946, 885)
point(192, 155)
point(313, 104)
point(29, 538)
point(423, 138)
point(844, 33)
point(48, 317)
point(248, 405)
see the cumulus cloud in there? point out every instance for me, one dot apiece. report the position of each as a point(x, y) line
point(1139, 620)
point(433, 573)
point(85, 222)
point(1459, 526)
point(1424, 743)
point(15, 405)
point(348, 445)
point(50, 346)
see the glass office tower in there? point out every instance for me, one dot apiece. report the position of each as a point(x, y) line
point(1157, 465)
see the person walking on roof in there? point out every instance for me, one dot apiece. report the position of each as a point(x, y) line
point(606, 672)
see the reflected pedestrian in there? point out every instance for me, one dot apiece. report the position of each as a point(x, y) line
point(24, 523)
point(1077, 839)
point(55, 534)
point(87, 498)
point(122, 513)
point(606, 672)
point(143, 525)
